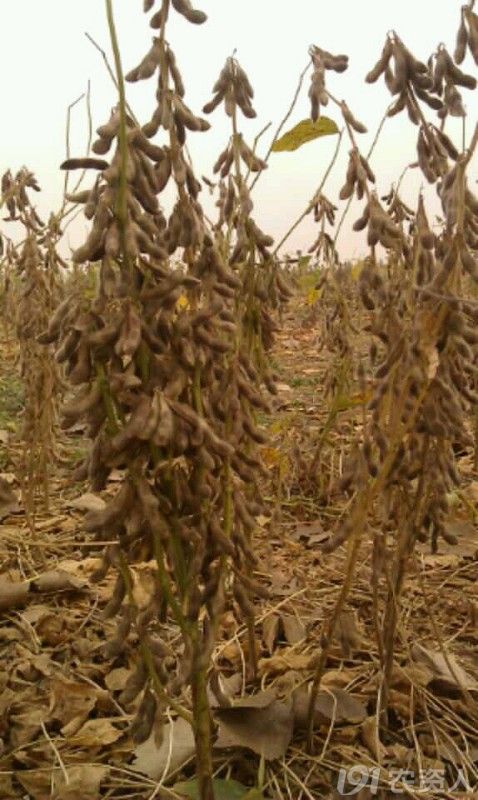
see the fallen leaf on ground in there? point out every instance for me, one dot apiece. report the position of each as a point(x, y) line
point(52, 523)
point(221, 690)
point(83, 782)
point(25, 727)
point(116, 680)
point(284, 661)
point(259, 700)
point(446, 669)
point(7, 789)
point(88, 502)
point(176, 748)
point(465, 533)
point(283, 387)
point(270, 630)
point(309, 533)
point(348, 633)
point(96, 733)
point(35, 612)
point(51, 629)
point(266, 731)
point(334, 704)
point(57, 580)
point(339, 678)
point(441, 560)
point(13, 595)
point(71, 701)
point(36, 782)
point(293, 627)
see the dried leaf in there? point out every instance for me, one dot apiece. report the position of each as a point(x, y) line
point(294, 629)
point(37, 782)
point(445, 669)
point(347, 632)
point(284, 661)
point(88, 502)
point(222, 690)
point(266, 731)
point(13, 595)
point(96, 733)
point(270, 629)
point(50, 629)
point(26, 726)
point(334, 704)
point(70, 701)
point(465, 533)
point(176, 748)
point(309, 533)
point(259, 700)
point(116, 680)
point(84, 782)
point(7, 789)
point(57, 580)
point(441, 560)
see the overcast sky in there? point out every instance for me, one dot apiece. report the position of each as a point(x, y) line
point(46, 61)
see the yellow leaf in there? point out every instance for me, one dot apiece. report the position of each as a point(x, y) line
point(273, 457)
point(313, 295)
point(305, 131)
point(345, 402)
point(182, 302)
point(356, 269)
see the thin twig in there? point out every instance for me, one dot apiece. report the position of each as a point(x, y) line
point(311, 202)
point(283, 121)
point(67, 137)
point(56, 752)
point(110, 71)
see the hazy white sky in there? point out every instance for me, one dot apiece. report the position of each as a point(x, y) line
point(46, 61)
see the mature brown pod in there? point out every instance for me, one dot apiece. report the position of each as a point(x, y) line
point(446, 142)
point(84, 163)
point(461, 41)
point(472, 20)
point(362, 221)
point(456, 75)
point(352, 121)
point(453, 101)
point(185, 8)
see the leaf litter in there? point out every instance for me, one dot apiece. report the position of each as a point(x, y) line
point(60, 696)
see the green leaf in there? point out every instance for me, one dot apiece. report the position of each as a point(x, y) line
point(223, 790)
point(304, 132)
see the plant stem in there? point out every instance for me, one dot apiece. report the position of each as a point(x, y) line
point(122, 200)
point(202, 725)
point(283, 121)
point(311, 202)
